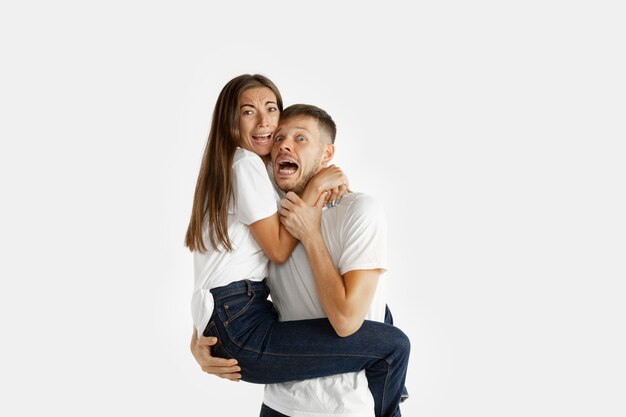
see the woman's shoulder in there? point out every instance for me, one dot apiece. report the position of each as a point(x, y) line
point(247, 164)
point(245, 156)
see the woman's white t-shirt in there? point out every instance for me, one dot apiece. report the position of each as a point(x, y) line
point(253, 199)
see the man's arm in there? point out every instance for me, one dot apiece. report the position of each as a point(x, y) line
point(345, 298)
point(201, 350)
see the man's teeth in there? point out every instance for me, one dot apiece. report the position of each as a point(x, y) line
point(287, 166)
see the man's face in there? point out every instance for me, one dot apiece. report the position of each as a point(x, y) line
point(298, 152)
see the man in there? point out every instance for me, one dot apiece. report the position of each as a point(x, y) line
point(334, 272)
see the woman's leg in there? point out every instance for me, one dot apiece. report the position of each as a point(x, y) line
point(270, 351)
point(389, 320)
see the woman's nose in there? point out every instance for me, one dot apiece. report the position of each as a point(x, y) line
point(263, 120)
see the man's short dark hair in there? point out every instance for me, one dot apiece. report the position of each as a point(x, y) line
point(325, 122)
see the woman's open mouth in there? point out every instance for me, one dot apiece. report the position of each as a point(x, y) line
point(262, 139)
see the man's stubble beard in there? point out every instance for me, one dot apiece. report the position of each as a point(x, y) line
point(300, 186)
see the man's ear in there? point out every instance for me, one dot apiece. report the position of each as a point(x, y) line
point(329, 153)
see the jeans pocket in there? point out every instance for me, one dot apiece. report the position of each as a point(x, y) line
point(218, 348)
point(237, 307)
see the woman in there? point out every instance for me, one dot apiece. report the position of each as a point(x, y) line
point(235, 228)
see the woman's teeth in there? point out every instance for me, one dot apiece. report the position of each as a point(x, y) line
point(265, 138)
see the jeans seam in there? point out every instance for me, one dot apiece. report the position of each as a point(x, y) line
point(382, 400)
point(243, 310)
point(219, 338)
point(241, 347)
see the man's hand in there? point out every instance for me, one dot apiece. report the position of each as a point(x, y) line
point(300, 219)
point(201, 350)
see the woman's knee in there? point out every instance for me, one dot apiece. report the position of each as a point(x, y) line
point(401, 343)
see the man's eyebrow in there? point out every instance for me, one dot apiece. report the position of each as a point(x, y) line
point(295, 128)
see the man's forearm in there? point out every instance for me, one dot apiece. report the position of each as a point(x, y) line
point(330, 285)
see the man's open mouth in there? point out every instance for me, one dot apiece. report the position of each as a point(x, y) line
point(287, 166)
point(262, 139)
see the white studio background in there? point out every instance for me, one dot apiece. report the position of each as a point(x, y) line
point(493, 133)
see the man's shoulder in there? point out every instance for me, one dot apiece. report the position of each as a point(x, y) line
point(354, 209)
point(361, 204)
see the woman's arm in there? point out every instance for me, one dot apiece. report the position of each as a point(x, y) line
point(277, 243)
point(331, 179)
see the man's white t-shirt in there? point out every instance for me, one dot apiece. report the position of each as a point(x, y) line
point(355, 233)
point(254, 198)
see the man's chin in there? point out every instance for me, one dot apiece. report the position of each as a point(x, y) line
point(290, 185)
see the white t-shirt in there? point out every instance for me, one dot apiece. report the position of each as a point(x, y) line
point(355, 233)
point(254, 199)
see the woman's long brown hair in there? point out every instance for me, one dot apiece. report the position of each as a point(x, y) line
point(213, 188)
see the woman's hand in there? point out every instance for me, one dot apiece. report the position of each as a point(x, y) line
point(201, 351)
point(331, 179)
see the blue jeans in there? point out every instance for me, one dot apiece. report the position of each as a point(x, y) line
point(269, 351)
point(389, 320)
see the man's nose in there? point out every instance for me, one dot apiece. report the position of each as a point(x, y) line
point(285, 144)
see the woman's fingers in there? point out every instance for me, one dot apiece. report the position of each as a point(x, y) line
point(332, 199)
point(343, 189)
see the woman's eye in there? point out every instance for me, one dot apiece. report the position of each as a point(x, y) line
point(272, 109)
point(247, 112)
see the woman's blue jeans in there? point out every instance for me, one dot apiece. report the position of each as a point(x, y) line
point(269, 351)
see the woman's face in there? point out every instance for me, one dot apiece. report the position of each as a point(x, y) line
point(258, 119)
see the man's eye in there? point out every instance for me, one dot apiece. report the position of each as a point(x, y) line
point(301, 138)
point(278, 138)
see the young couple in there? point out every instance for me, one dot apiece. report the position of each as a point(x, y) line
point(326, 346)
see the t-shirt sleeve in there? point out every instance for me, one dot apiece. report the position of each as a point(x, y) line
point(365, 237)
point(255, 198)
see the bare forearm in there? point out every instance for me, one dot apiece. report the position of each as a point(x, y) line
point(274, 238)
point(311, 193)
point(287, 243)
point(330, 285)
